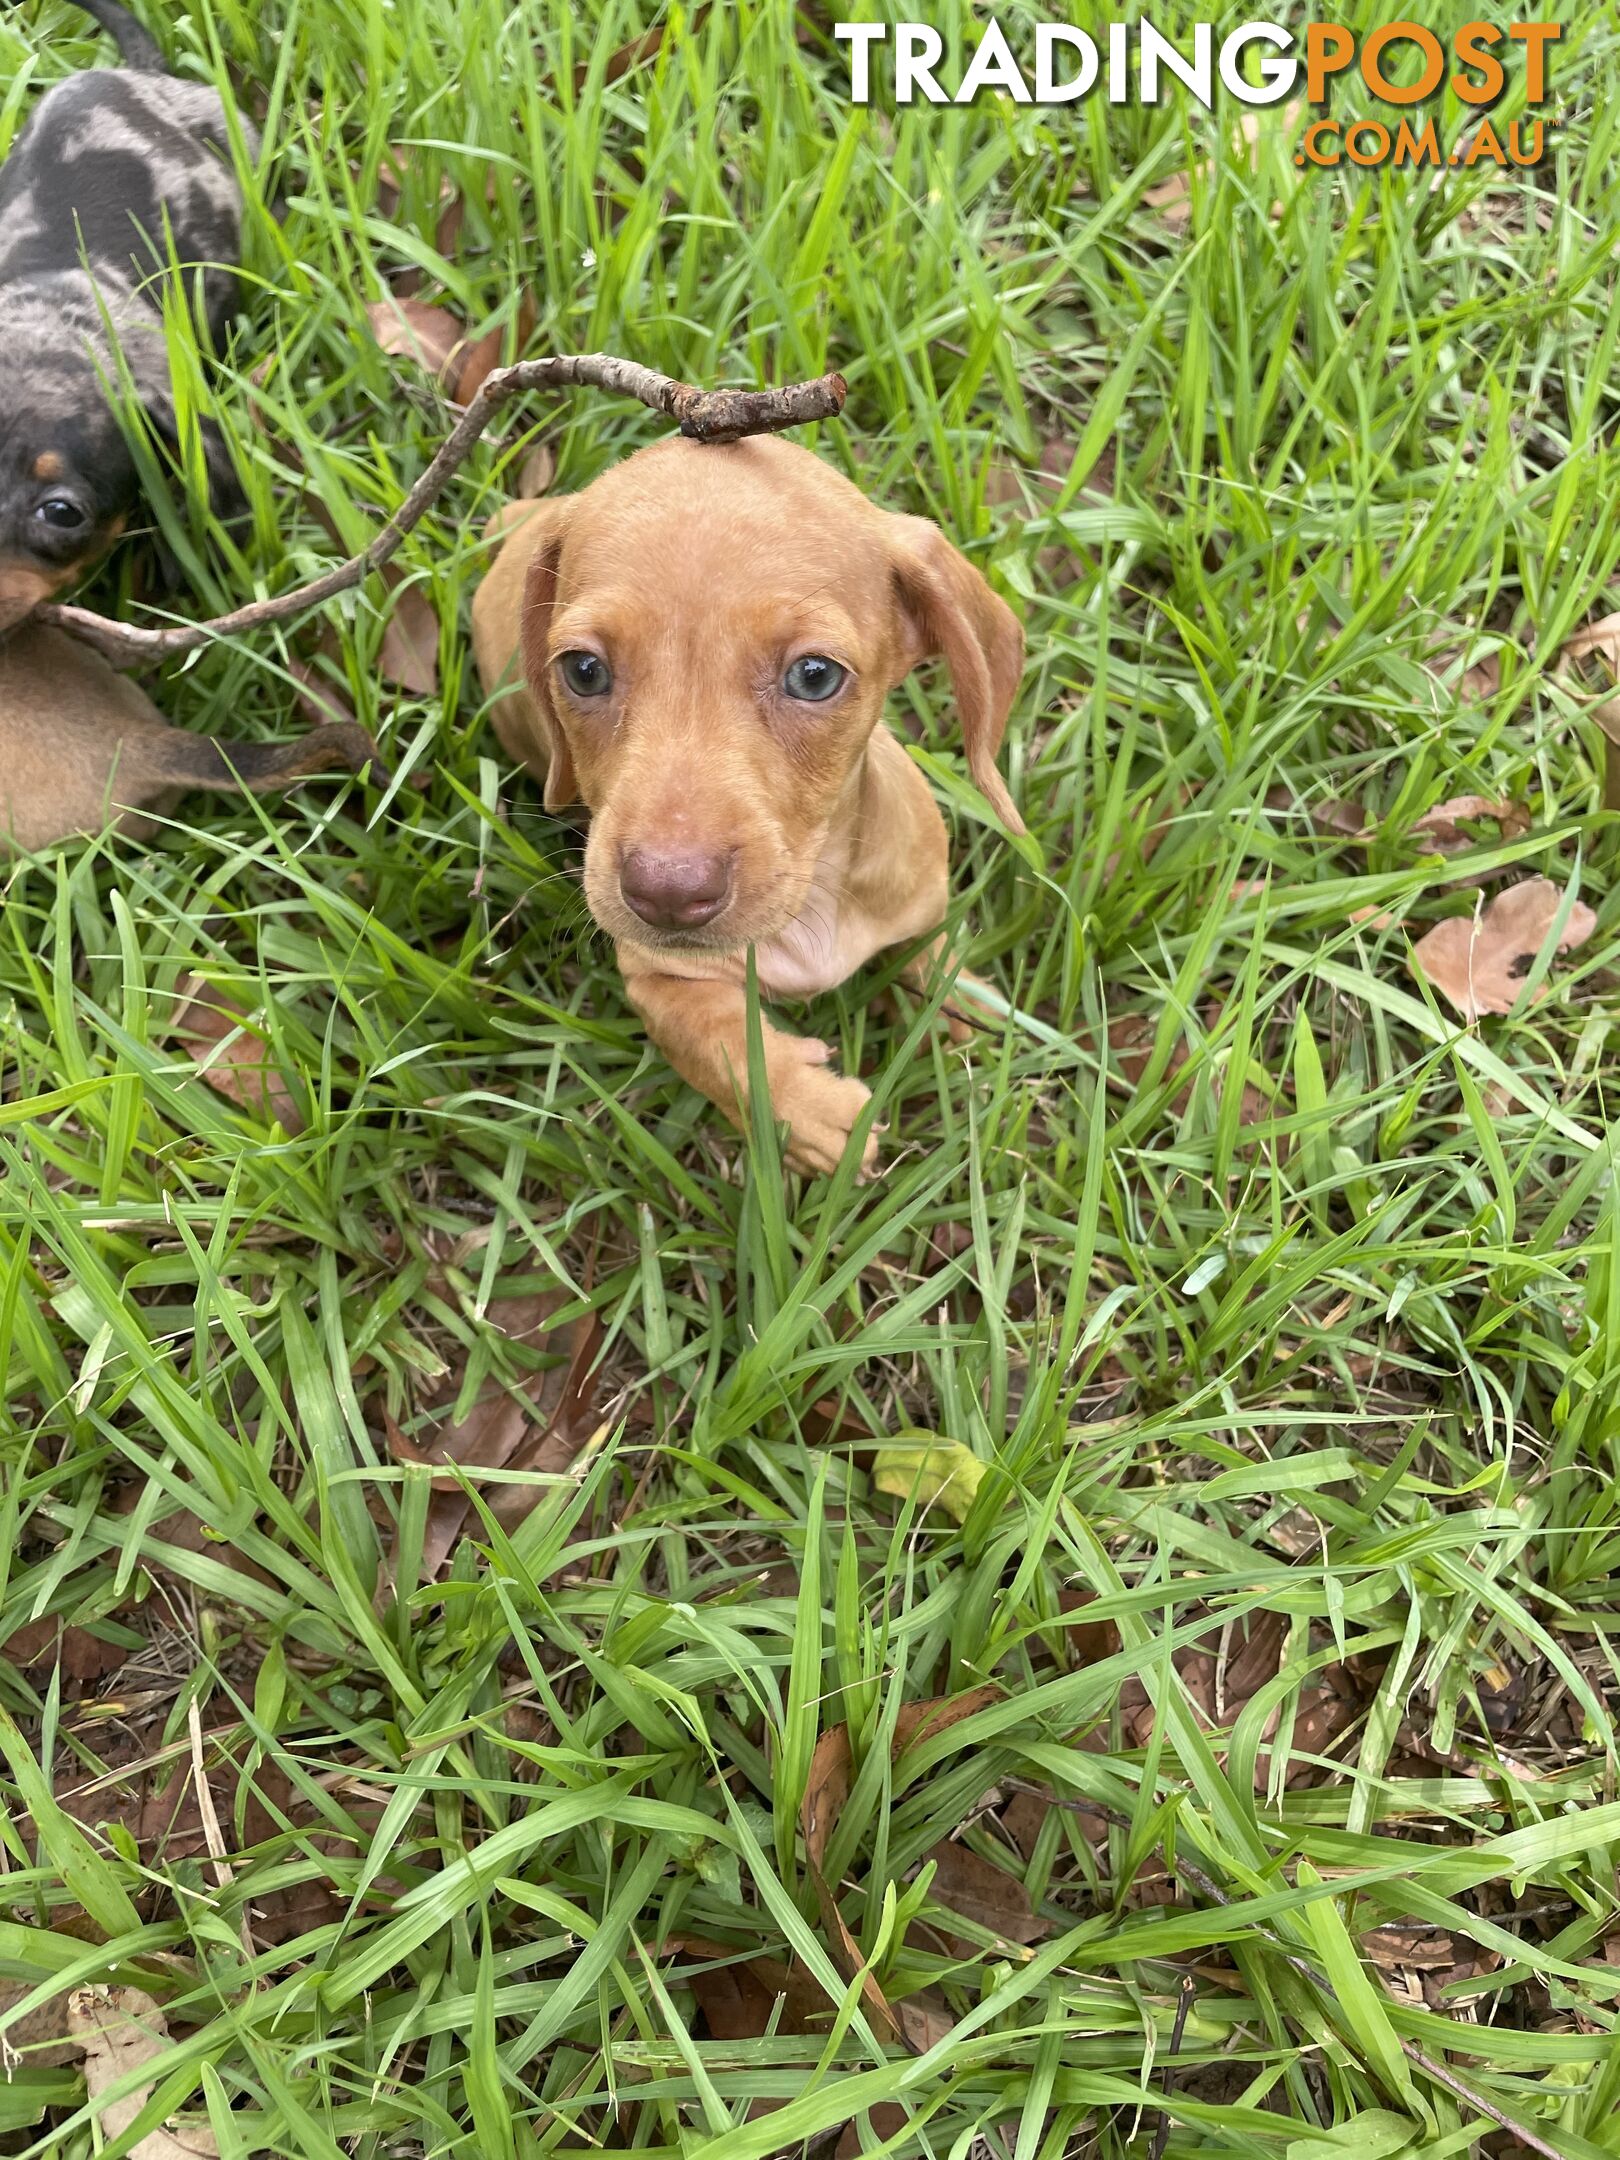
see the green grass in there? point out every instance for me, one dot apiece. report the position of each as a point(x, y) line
point(1297, 1325)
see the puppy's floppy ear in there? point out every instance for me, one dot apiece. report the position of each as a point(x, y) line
point(946, 607)
point(544, 535)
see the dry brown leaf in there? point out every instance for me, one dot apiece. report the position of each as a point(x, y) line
point(1479, 681)
point(447, 231)
point(888, 2120)
point(827, 1423)
point(84, 1656)
point(1130, 1038)
point(1417, 1949)
point(1347, 818)
point(409, 653)
point(551, 1449)
point(744, 1998)
point(73, 1651)
point(1443, 825)
point(1221, 1682)
point(917, 2022)
point(1480, 961)
point(1007, 481)
point(218, 1037)
point(39, 2040)
point(416, 330)
point(1607, 717)
point(985, 1894)
point(1603, 638)
point(1172, 198)
point(33, 1642)
point(735, 2001)
point(1057, 459)
point(464, 373)
point(1023, 1818)
point(169, 1821)
point(156, 1801)
point(393, 167)
point(541, 1428)
point(491, 1431)
point(924, 2022)
point(824, 1796)
point(739, 1995)
point(1089, 1641)
point(1004, 483)
point(437, 339)
point(636, 51)
point(122, 2031)
point(1328, 1706)
point(1250, 1664)
point(1344, 817)
point(922, 1721)
point(536, 473)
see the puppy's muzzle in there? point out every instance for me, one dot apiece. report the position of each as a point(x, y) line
point(675, 890)
point(23, 587)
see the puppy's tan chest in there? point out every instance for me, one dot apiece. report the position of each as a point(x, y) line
point(814, 954)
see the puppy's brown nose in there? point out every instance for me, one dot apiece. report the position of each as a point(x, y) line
point(675, 891)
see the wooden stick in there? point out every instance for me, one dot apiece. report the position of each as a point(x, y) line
point(708, 416)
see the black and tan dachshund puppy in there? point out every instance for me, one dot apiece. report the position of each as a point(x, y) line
point(118, 174)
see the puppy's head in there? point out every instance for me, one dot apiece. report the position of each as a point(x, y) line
point(67, 480)
point(709, 634)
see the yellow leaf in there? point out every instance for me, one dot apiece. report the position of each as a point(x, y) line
point(941, 1473)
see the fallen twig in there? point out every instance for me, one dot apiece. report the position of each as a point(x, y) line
point(1161, 2136)
point(709, 416)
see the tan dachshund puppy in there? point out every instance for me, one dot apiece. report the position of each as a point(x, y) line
point(706, 637)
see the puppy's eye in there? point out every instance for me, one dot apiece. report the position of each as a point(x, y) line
point(814, 679)
point(585, 673)
point(62, 515)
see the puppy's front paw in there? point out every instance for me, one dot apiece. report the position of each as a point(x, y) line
point(821, 1109)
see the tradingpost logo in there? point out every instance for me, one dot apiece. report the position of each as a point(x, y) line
point(1400, 66)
